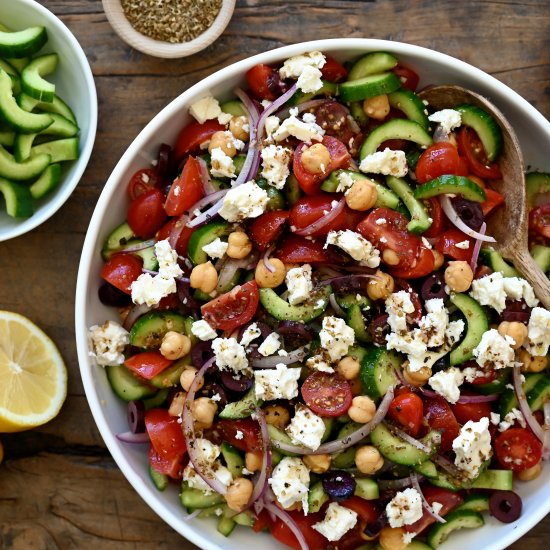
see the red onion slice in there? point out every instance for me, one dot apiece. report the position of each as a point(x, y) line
point(268, 265)
point(546, 442)
point(425, 503)
point(192, 515)
point(524, 406)
point(454, 218)
point(130, 437)
point(392, 484)
point(323, 221)
point(211, 212)
point(228, 269)
point(463, 399)
point(306, 106)
point(289, 522)
point(275, 106)
point(207, 186)
point(273, 360)
point(134, 314)
point(137, 247)
point(477, 247)
point(337, 309)
point(176, 230)
point(265, 470)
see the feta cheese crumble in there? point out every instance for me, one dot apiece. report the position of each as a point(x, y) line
point(345, 181)
point(107, 343)
point(510, 419)
point(489, 291)
point(203, 331)
point(167, 258)
point(473, 447)
point(244, 201)
point(216, 249)
point(404, 508)
point(275, 161)
point(270, 345)
point(305, 130)
point(538, 332)
point(278, 383)
point(447, 384)
point(306, 428)
point(290, 482)
point(336, 337)
point(397, 306)
point(205, 109)
point(359, 248)
point(251, 333)
point(386, 162)
point(337, 522)
point(448, 119)
point(299, 284)
point(495, 351)
point(435, 322)
point(294, 66)
point(222, 164)
point(229, 354)
point(464, 245)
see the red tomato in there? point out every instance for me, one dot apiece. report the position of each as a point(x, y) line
point(146, 213)
point(422, 266)
point(327, 394)
point(314, 539)
point(121, 270)
point(234, 308)
point(148, 364)
point(339, 157)
point(492, 200)
point(446, 498)
point(267, 228)
point(407, 409)
point(172, 468)
point(299, 250)
point(471, 411)
point(192, 136)
point(440, 417)
point(260, 81)
point(472, 150)
point(333, 70)
point(333, 117)
point(439, 159)
point(409, 79)
point(184, 234)
point(518, 449)
point(438, 219)
point(392, 233)
point(186, 189)
point(165, 434)
point(539, 220)
point(365, 509)
point(141, 182)
point(251, 440)
point(447, 241)
point(309, 209)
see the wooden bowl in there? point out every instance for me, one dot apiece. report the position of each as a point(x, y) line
point(157, 48)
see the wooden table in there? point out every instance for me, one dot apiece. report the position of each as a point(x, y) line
point(59, 487)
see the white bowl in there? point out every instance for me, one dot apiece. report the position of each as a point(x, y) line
point(109, 412)
point(75, 84)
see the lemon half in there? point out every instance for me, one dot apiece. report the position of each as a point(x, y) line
point(33, 377)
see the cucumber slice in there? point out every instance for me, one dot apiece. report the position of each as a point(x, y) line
point(395, 129)
point(22, 171)
point(476, 325)
point(486, 127)
point(309, 310)
point(243, 408)
point(225, 526)
point(21, 120)
point(369, 86)
point(195, 498)
point(57, 106)
point(457, 185)
point(156, 400)
point(539, 394)
point(233, 107)
point(22, 43)
point(7, 138)
point(292, 190)
point(160, 481)
point(420, 219)
point(328, 89)
point(18, 199)
point(346, 458)
point(377, 372)
point(411, 105)
point(356, 321)
point(46, 182)
point(461, 519)
point(203, 236)
point(32, 81)
point(427, 469)
point(170, 377)
point(501, 480)
point(246, 518)
point(498, 385)
point(18, 63)
point(14, 75)
point(278, 436)
point(372, 63)
point(149, 330)
point(477, 502)
point(60, 150)
point(233, 459)
point(316, 497)
point(509, 400)
point(541, 255)
point(357, 112)
point(536, 183)
point(117, 240)
point(348, 300)
point(125, 385)
point(366, 488)
point(497, 263)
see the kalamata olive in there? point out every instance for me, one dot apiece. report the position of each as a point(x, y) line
point(136, 417)
point(294, 332)
point(213, 389)
point(378, 329)
point(373, 529)
point(339, 485)
point(441, 364)
point(111, 296)
point(469, 212)
point(164, 162)
point(433, 287)
point(516, 310)
point(505, 506)
point(201, 352)
point(184, 294)
point(239, 385)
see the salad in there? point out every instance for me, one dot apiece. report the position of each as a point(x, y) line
point(316, 338)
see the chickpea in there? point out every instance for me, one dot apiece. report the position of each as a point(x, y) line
point(516, 331)
point(203, 410)
point(361, 195)
point(253, 462)
point(459, 276)
point(377, 107)
point(204, 277)
point(530, 473)
point(224, 141)
point(438, 259)
point(382, 287)
point(531, 363)
point(316, 159)
point(240, 245)
point(267, 279)
point(416, 378)
point(362, 409)
point(277, 416)
point(175, 345)
point(239, 493)
point(391, 538)
point(348, 367)
point(187, 377)
point(390, 257)
point(318, 464)
point(176, 406)
point(240, 128)
point(368, 459)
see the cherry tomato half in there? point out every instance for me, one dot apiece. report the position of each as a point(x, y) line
point(539, 220)
point(409, 79)
point(193, 135)
point(250, 442)
point(186, 189)
point(448, 500)
point(471, 411)
point(234, 308)
point(440, 417)
point(518, 449)
point(333, 70)
point(121, 270)
point(309, 209)
point(471, 148)
point(327, 394)
point(267, 228)
point(147, 364)
point(260, 81)
point(492, 200)
point(334, 118)
point(447, 241)
point(439, 159)
point(422, 266)
point(146, 213)
point(407, 409)
point(141, 182)
point(281, 532)
point(298, 250)
point(438, 219)
point(175, 229)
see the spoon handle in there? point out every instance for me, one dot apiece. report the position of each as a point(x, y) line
point(525, 264)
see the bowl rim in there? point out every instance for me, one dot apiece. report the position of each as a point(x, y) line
point(146, 492)
point(59, 199)
point(158, 48)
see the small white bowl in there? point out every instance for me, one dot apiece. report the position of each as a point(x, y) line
point(109, 412)
point(75, 84)
point(157, 48)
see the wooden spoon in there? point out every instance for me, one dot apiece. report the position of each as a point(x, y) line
point(509, 225)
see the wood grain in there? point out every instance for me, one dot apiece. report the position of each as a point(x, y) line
point(59, 488)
